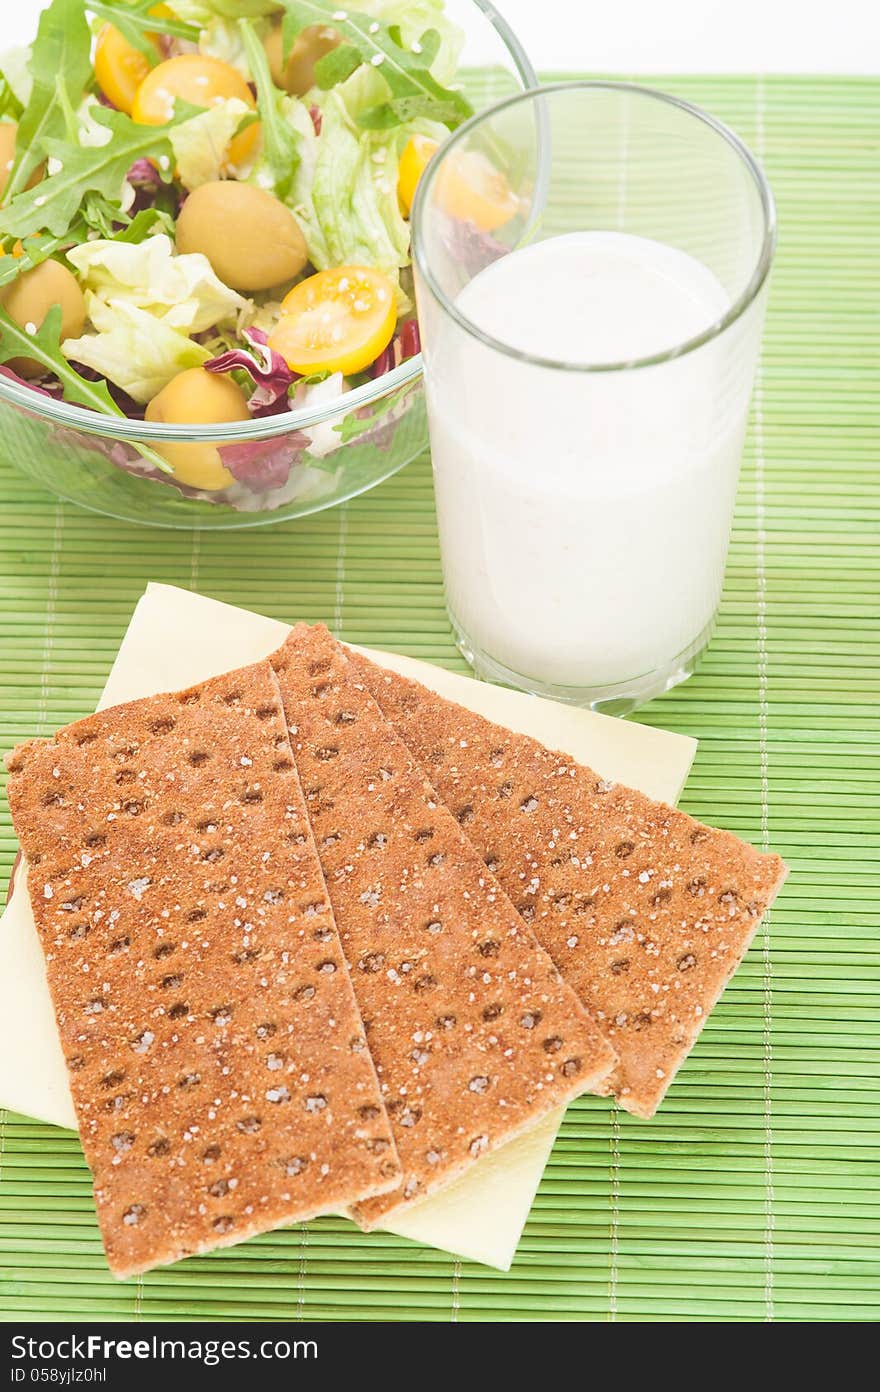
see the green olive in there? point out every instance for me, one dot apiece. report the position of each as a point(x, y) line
point(297, 76)
point(250, 238)
point(28, 300)
point(197, 397)
point(8, 134)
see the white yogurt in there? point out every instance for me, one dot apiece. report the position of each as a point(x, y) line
point(585, 516)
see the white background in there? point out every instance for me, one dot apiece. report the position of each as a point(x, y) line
point(637, 36)
point(709, 36)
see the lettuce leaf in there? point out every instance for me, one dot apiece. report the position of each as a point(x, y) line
point(134, 349)
point(200, 144)
point(181, 291)
point(344, 192)
point(299, 197)
point(354, 196)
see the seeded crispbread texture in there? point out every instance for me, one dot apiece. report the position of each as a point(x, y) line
point(472, 1030)
point(646, 912)
point(216, 1053)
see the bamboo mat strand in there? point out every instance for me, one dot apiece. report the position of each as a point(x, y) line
point(753, 1195)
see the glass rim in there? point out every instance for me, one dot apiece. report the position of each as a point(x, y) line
point(267, 427)
point(734, 312)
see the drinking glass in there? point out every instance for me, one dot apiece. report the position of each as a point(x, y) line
point(585, 497)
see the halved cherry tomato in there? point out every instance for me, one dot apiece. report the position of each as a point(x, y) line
point(336, 321)
point(470, 188)
point(417, 155)
point(120, 67)
point(201, 81)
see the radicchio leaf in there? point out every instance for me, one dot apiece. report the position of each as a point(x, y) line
point(135, 410)
point(405, 344)
point(116, 452)
point(262, 465)
point(266, 368)
point(143, 174)
point(471, 247)
point(45, 387)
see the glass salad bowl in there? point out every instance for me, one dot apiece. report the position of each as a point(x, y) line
point(335, 446)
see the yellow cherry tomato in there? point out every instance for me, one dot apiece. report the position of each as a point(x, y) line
point(201, 81)
point(120, 67)
point(197, 397)
point(17, 249)
point(471, 189)
point(418, 153)
point(336, 321)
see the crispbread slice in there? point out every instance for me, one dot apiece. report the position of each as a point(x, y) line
point(216, 1052)
point(472, 1030)
point(646, 912)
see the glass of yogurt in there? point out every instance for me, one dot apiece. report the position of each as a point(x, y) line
point(591, 269)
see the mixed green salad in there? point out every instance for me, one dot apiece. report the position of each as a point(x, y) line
point(204, 210)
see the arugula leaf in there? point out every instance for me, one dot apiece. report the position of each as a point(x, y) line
point(401, 110)
point(55, 202)
point(429, 43)
point(9, 104)
point(134, 21)
point(280, 140)
point(44, 348)
point(101, 215)
point(336, 66)
point(355, 424)
point(34, 251)
point(146, 223)
point(61, 69)
point(405, 70)
point(15, 81)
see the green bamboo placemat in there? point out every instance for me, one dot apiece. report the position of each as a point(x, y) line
point(754, 1194)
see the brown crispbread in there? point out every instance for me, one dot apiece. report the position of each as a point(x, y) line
point(216, 1053)
point(646, 912)
point(473, 1033)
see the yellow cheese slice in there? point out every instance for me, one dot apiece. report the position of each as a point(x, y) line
point(176, 638)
